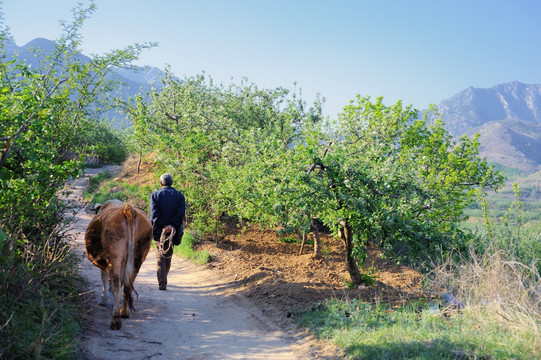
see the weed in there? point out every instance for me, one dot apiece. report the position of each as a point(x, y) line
point(186, 250)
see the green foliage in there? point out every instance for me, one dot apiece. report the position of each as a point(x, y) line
point(102, 190)
point(218, 143)
point(517, 239)
point(293, 240)
point(94, 183)
point(101, 142)
point(40, 307)
point(46, 132)
point(389, 177)
point(376, 174)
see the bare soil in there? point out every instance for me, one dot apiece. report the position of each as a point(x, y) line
point(268, 271)
point(241, 305)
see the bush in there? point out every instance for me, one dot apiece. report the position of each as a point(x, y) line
point(40, 309)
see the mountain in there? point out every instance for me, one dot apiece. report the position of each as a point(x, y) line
point(512, 143)
point(474, 107)
point(134, 81)
point(507, 118)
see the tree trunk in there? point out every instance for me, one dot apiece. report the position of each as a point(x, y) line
point(347, 235)
point(139, 163)
point(303, 242)
point(317, 241)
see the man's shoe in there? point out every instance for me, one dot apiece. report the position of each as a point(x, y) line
point(163, 286)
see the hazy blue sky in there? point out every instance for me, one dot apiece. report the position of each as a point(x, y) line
point(419, 51)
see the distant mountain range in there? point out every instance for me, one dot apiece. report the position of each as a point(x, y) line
point(135, 81)
point(507, 116)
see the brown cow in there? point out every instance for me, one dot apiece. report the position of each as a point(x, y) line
point(117, 241)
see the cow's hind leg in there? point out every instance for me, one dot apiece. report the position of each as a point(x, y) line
point(116, 321)
point(105, 299)
point(125, 310)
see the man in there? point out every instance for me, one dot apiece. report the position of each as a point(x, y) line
point(167, 210)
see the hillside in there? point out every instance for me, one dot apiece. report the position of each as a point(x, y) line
point(511, 143)
point(508, 119)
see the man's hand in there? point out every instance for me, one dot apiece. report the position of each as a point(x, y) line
point(168, 230)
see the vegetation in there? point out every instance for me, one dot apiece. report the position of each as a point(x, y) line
point(102, 188)
point(496, 312)
point(377, 173)
point(418, 330)
point(186, 250)
point(47, 132)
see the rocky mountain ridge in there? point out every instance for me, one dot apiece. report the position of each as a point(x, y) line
point(134, 80)
point(507, 118)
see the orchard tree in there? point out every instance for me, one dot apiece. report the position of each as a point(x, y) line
point(221, 143)
point(140, 139)
point(391, 178)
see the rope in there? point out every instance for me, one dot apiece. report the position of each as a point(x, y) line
point(166, 242)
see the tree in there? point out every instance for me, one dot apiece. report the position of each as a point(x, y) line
point(218, 141)
point(45, 112)
point(377, 174)
point(394, 179)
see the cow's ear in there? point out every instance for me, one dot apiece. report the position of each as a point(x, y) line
point(97, 208)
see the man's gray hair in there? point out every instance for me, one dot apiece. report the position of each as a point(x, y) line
point(166, 179)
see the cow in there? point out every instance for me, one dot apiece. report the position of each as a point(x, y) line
point(117, 241)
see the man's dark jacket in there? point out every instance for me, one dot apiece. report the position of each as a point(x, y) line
point(167, 207)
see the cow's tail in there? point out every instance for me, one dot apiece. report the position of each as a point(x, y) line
point(130, 215)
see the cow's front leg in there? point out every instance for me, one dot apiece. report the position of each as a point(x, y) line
point(116, 321)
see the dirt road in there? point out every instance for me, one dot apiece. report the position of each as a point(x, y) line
point(196, 318)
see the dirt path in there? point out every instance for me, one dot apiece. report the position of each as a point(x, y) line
point(196, 318)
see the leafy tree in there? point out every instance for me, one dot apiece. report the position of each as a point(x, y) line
point(139, 141)
point(101, 142)
point(211, 137)
point(391, 178)
point(44, 111)
point(46, 114)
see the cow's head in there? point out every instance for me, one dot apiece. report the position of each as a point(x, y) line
point(99, 206)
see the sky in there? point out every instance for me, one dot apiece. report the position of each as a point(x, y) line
point(417, 51)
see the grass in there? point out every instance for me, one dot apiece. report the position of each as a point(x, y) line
point(102, 188)
point(186, 250)
point(417, 330)
point(500, 315)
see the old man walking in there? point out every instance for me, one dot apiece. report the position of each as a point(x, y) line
point(167, 211)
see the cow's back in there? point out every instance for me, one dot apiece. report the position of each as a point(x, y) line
point(117, 240)
point(110, 226)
